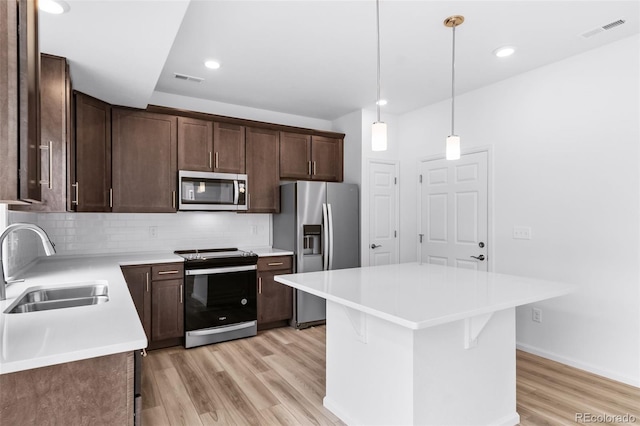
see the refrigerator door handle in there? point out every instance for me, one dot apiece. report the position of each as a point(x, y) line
point(330, 215)
point(325, 244)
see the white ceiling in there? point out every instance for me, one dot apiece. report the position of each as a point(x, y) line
point(316, 58)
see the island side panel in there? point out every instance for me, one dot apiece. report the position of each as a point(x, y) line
point(475, 386)
point(369, 375)
point(95, 391)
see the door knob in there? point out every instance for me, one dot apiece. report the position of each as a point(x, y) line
point(480, 258)
point(374, 246)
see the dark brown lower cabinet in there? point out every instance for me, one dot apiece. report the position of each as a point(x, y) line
point(156, 291)
point(94, 391)
point(275, 300)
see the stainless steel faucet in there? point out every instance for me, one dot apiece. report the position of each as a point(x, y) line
point(46, 244)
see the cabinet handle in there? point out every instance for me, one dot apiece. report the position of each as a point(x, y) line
point(76, 202)
point(259, 285)
point(173, 199)
point(49, 148)
point(143, 352)
point(217, 160)
point(181, 294)
point(210, 162)
point(309, 168)
point(147, 282)
point(275, 264)
point(168, 272)
point(111, 197)
point(314, 168)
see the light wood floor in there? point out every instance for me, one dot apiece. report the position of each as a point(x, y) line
point(277, 378)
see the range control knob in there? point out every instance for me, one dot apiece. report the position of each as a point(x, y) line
point(243, 302)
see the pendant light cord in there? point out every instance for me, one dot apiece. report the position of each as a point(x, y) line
point(453, 78)
point(378, 31)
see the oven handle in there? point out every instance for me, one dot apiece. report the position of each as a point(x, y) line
point(220, 270)
point(221, 329)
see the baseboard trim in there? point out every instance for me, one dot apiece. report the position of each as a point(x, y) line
point(337, 411)
point(511, 420)
point(628, 380)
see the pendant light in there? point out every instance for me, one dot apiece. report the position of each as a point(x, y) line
point(453, 140)
point(379, 128)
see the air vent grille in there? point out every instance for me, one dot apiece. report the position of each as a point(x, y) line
point(603, 28)
point(188, 77)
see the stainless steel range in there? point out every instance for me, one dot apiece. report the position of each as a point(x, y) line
point(220, 295)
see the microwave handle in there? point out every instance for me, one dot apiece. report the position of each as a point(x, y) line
point(236, 191)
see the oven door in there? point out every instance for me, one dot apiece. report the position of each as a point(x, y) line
point(219, 296)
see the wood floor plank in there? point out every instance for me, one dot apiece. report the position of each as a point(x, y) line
point(278, 377)
point(155, 416)
point(175, 398)
point(202, 396)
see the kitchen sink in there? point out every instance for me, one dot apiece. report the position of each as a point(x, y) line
point(60, 297)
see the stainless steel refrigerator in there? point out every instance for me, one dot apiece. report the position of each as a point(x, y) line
point(320, 223)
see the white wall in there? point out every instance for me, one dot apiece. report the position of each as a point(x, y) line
point(565, 140)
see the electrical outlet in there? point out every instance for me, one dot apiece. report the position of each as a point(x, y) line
point(536, 315)
point(153, 232)
point(521, 233)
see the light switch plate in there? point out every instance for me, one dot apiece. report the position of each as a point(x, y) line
point(521, 233)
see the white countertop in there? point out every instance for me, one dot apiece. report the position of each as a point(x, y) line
point(38, 339)
point(267, 251)
point(420, 296)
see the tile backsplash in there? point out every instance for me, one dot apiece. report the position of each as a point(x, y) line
point(94, 233)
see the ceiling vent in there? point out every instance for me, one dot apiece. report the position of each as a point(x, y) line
point(188, 77)
point(603, 28)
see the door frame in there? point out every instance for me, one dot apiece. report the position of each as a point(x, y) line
point(490, 224)
point(365, 218)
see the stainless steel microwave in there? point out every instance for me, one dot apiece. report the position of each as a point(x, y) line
point(211, 191)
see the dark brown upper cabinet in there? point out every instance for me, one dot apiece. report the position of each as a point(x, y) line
point(326, 159)
point(144, 161)
point(263, 170)
point(228, 148)
point(19, 102)
point(55, 129)
point(310, 157)
point(90, 190)
point(195, 144)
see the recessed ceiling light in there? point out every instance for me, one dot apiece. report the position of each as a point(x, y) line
point(53, 6)
point(381, 102)
point(214, 65)
point(503, 52)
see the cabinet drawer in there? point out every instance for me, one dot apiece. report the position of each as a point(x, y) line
point(167, 271)
point(271, 263)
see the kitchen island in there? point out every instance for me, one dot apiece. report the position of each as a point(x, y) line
point(422, 344)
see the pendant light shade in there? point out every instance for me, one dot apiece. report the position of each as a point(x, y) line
point(452, 148)
point(379, 136)
point(379, 128)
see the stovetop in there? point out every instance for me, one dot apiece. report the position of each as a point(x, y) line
point(200, 258)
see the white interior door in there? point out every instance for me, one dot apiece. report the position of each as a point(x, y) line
point(383, 213)
point(454, 211)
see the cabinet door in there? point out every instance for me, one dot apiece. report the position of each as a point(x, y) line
point(295, 156)
point(326, 155)
point(195, 144)
point(144, 161)
point(263, 170)
point(93, 155)
point(228, 148)
point(29, 100)
point(138, 280)
point(167, 309)
point(54, 111)
point(275, 300)
point(8, 101)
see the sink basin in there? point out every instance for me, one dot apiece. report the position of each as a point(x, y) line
point(60, 297)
